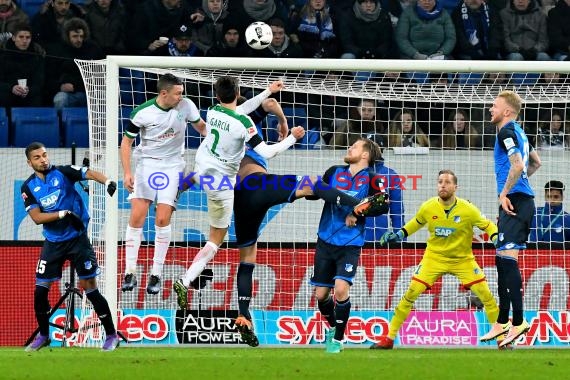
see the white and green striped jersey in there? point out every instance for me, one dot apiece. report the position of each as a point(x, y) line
point(223, 148)
point(162, 131)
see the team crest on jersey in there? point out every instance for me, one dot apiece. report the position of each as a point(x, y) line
point(88, 265)
point(476, 270)
point(180, 116)
point(55, 182)
point(457, 219)
point(348, 267)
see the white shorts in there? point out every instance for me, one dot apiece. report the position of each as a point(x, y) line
point(220, 207)
point(157, 180)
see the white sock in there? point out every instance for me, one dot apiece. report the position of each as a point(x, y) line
point(202, 258)
point(132, 245)
point(161, 242)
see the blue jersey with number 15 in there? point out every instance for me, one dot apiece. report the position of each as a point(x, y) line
point(511, 139)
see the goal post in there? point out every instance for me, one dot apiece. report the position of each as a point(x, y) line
point(319, 95)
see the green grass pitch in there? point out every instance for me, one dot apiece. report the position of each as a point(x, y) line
point(283, 363)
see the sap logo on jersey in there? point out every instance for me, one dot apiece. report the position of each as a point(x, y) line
point(443, 231)
point(50, 199)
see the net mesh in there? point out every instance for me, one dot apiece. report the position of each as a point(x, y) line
point(322, 101)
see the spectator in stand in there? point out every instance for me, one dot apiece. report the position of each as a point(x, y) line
point(551, 223)
point(425, 31)
point(231, 44)
point(47, 24)
point(559, 30)
point(394, 219)
point(206, 32)
point(361, 122)
point(458, 133)
point(395, 8)
point(181, 44)
point(281, 45)
point(248, 11)
point(154, 19)
point(550, 78)
point(524, 31)
point(66, 81)
point(20, 58)
point(10, 15)
point(366, 32)
point(403, 131)
point(106, 21)
point(313, 28)
point(552, 130)
point(478, 29)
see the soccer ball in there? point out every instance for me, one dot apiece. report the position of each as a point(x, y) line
point(258, 35)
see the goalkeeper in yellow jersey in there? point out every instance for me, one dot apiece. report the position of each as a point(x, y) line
point(450, 221)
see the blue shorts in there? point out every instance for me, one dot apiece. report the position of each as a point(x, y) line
point(514, 229)
point(332, 262)
point(78, 251)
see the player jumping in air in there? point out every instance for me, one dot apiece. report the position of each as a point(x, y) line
point(161, 123)
point(253, 200)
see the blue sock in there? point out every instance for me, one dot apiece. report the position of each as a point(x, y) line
point(504, 297)
point(513, 281)
point(245, 287)
point(326, 308)
point(42, 308)
point(101, 307)
point(341, 313)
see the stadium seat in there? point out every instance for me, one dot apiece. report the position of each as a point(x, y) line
point(75, 123)
point(418, 77)
point(132, 87)
point(470, 78)
point(296, 116)
point(31, 7)
point(4, 125)
point(310, 140)
point(525, 79)
point(35, 124)
point(124, 114)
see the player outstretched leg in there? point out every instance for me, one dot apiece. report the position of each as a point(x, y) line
point(132, 245)
point(372, 204)
point(400, 314)
point(202, 258)
point(245, 328)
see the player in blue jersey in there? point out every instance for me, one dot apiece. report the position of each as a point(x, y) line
point(515, 162)
point(341, 237)
point(255, 194)
point(50, 199)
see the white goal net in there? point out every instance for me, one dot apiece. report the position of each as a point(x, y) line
point(428, 116)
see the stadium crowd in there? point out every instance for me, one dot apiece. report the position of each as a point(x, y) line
point(39, 43)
